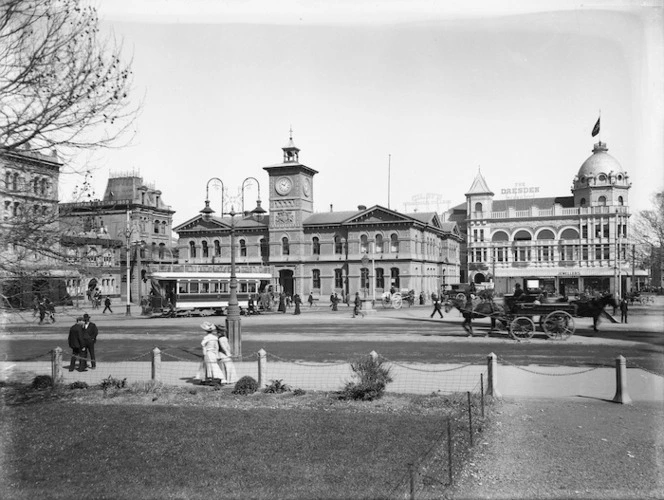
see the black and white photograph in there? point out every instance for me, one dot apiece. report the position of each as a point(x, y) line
point(331, 249)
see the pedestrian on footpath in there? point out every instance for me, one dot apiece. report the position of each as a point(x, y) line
point(468, 315)
point(357, 309)
point(436, 307)
point(623, 310)
point(77, 345)
point(298, 301)
point(107, 305)
point(90, 333)
point(310, 299)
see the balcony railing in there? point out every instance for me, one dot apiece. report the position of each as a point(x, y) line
point(535, 212)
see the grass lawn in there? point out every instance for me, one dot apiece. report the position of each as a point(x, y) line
point(203, 443)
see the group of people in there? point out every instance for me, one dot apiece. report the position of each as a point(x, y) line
point(217, 365)
point(44, 308)
point(82, 339)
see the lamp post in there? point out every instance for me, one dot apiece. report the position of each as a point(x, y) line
point(233, 320)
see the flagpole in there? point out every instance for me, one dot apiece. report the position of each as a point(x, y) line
point(389, 171)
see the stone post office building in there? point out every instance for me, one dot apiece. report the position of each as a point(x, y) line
point(371, 248)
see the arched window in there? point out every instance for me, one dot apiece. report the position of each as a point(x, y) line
point(500, 236)
point(394, 277)
point(545, 234)
point(217, 248)
point(163, 227)
point(380, 278)
point(364, 245)
point(315, 246)
point(44, 186)
point(338, 278)
point(243, 248)
point(15, 183)
point(35, 187)
point(522, 236)
point(338, 245)
point(569, 234)
point(206, 250)
point(621, 201)
point(478, 207)
point(155, 228)
point(602, 201)
point(285, 246)
point(265, 249)
point(192, 250)
point(8, 181)
point(161, 251)
point(582, 202)
point(379, 243)
point(394, 243)
point(315, 278)
point(364, 277)
point(602, 178)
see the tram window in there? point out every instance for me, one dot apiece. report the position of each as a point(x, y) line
point(214, 287)
point(252, 287)
point(205, 287)
point(223, 287)
point(182, 287)
point(193, 287)
point(243, 287)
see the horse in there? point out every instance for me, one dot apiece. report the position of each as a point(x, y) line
point(593, 308)
point(486, 308)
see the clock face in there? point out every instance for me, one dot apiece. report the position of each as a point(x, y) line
point(283, 185)
point(306, 187)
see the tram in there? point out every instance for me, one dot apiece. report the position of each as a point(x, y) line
point(203, 291)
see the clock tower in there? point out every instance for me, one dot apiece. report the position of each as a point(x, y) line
point(291, 190)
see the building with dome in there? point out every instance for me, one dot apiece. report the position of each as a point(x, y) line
point(566, 245)
point(367, 250)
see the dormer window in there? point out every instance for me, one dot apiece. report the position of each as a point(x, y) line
point(478, 207)
point(602, 201)
point(602, 178)
point(582, 202)
point(583, 180)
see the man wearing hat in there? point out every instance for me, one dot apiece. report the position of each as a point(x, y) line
point(90, 337)
point(77, 345)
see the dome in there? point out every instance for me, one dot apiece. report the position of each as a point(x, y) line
point(599, 163)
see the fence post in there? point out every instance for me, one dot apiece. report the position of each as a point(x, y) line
point(262, 367)
point(482, 392)
point(411, 468)
point(156, 364)
point(449, 449)
point(56, 365)
point(492, 368)
point(621, 382)
point(470, 420)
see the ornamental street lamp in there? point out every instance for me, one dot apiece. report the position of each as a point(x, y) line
point(233, 319)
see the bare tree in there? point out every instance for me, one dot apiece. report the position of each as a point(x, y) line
point(61, 84)
point(648, 235)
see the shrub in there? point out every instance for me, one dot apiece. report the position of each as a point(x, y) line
point(78, 385)
point(113, 383)
point(42, 382)
point(372, 377)
point(299, 392)
point(277, 387)
point(246, 385)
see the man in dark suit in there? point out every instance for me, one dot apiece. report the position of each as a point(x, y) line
point(90, 337)
point(77, 345)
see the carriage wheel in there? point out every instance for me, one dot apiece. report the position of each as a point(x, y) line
point(522, 328)
point(386, 302)
point(558, 325)
point(397, 302)
point(460, 296)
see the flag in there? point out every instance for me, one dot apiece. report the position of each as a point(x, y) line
point(596, 128)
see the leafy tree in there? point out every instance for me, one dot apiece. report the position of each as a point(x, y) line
point(61, 84)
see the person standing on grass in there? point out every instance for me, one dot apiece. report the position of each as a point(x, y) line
point(209, 371)
point(623, 310)
point(436, 307)
point(77, 345)
point(107, 305)
point(90, 333)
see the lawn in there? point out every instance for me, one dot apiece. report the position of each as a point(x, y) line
point(185, 443)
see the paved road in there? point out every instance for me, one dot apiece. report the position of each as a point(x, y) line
point(404, 335)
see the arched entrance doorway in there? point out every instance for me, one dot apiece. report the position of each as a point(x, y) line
point(479, 278)
point(287, 281)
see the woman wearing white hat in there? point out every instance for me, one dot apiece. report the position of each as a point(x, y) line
point(209, 371)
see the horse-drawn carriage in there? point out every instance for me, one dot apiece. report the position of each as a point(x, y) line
point(519, 316)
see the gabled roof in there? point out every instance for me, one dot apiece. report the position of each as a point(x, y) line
point(377, 214)
point(325, 218)
point(221, 223)
point(479, 186)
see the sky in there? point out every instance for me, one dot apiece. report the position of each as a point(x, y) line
point(412, 95)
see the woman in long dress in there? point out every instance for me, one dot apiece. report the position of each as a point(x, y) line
point(209, 370)
point(225, 360)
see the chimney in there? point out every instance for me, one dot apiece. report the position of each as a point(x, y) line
point(331, 208)
point(361, 207)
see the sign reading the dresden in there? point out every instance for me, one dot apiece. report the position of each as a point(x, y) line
point(520, 190)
